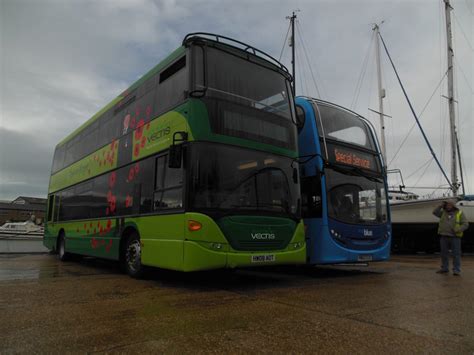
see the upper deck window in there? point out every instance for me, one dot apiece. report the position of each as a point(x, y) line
point(342, 126)
point(244, 97)
point(247, 82)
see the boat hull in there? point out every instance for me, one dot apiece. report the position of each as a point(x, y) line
point(414, 227)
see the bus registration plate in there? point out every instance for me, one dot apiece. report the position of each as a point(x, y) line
point(364, 257)
point(263, 258)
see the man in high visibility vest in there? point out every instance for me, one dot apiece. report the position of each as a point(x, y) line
point(452, 224)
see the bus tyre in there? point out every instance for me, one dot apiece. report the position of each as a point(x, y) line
point(131, 259)
point(62, 254)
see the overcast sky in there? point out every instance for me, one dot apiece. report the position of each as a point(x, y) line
point(61, 61)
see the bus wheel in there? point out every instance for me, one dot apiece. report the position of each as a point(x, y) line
point(131, 260)
point(62, 254)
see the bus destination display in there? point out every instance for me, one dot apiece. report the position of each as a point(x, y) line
point(351, 157)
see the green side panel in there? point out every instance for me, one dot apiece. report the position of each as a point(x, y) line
point(178, 52)
point(92, 237)
point(198, 120)
point(158, 134)
point(162, 240)
point(257, 232)
point(94, 164)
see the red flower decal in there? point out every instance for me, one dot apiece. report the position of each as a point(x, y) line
point(132, 124)
point(131, 174)
point(128, 201)
point(139, 130)
point(136, 151)
point(109, 225)
point(93, 243)
point(112, 204)
point(143, 142)
point(112, 179)
point(137, 168)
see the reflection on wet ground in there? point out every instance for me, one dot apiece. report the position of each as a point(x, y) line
point(87, 305)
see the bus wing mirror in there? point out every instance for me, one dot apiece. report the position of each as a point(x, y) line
point(176, 150)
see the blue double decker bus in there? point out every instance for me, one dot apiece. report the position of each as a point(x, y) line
point(344, 186)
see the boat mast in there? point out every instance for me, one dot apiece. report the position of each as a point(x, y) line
point(292, 19)
point(381, 92)
point(452, 122)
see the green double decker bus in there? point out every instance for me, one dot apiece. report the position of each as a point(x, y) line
point(191, 168)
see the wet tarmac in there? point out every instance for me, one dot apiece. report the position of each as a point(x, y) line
point(89, 306)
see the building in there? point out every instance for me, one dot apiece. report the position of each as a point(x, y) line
point(22, 208)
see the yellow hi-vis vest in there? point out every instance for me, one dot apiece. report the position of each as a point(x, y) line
point(457, 222)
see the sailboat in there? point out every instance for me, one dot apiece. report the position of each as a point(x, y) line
point(413, 224)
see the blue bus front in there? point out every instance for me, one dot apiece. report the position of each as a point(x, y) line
point(344, 188)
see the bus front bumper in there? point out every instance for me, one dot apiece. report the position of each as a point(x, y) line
point(206, 256)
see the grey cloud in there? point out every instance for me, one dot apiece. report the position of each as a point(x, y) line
point(25, 164)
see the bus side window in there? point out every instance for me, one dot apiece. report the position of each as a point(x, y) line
point(311, 197)
point(173, 82)
point(168, 186)
point(58, 160)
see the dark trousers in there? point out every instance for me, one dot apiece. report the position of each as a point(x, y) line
point(455, 244)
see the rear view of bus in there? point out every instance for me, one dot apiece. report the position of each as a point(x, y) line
point(191, 168)
point(343, 185)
